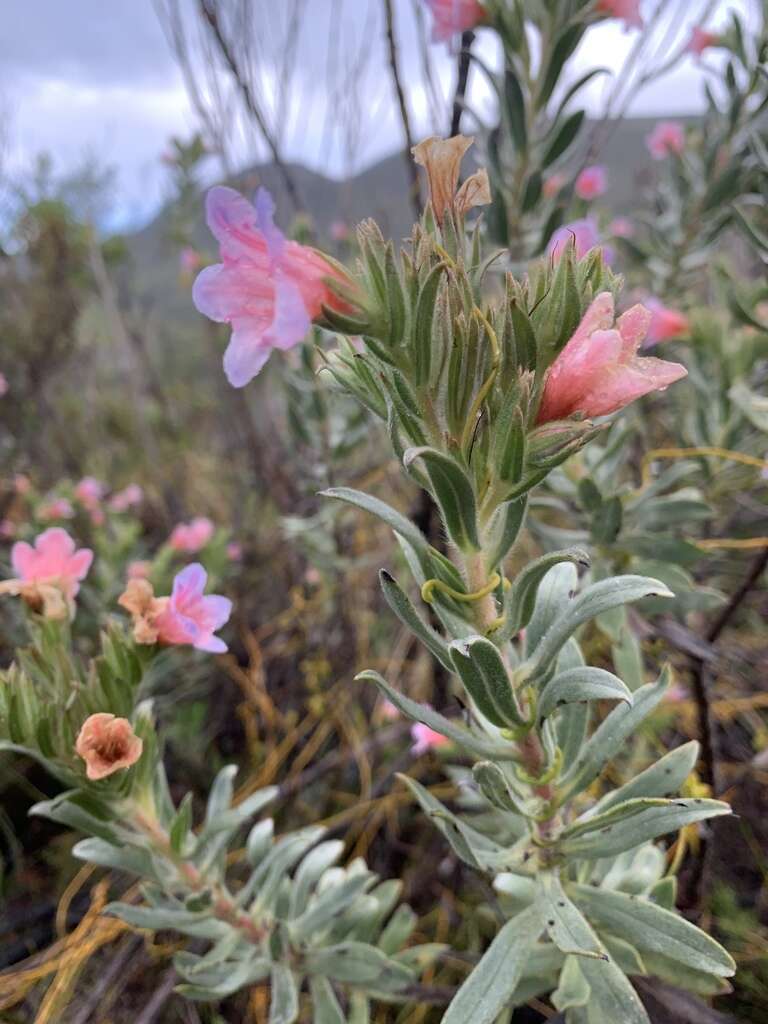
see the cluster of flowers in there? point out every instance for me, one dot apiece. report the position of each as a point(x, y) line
point(48, 577)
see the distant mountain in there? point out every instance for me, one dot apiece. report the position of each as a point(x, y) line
point(381, 191)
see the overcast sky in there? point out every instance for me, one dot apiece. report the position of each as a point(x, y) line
point(97, 77)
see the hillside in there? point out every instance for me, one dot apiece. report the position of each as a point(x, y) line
point(380, 191)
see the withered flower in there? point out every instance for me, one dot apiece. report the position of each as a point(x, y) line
point(441, 158)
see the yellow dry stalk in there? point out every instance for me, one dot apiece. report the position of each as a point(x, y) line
point(66, 958)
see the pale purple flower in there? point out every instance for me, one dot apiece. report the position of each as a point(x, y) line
point(191, 617)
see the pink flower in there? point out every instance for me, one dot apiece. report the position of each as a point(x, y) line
point(59, 508)
point(666, 138)
point(138, 570)
point(89, 491)
point(665, 323)
point(192, 537)
point(339, 230)
point(591, 183)
point(3, 385)
point(388, 710)
point(269, 289)
point(425, 739)
point(552, 185)
point(629, 10)
point(189, 617)
point(52, 560)
point(107, 744)
point(131, 495)
point(599, 372)
point(621, 227)
point(583, 232)
point(234, 551)
point(189, 260)
point(701, 39)
point(22, 484)
point(450, 17)
point(7, 529)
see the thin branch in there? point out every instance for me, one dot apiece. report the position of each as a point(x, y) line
point(210, 16)
point(413, 174)
point(465, 57)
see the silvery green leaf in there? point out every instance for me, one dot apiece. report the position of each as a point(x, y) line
point(635, 871)
point(463, 737)
point(623, 954)
point(663, 778)
point(634, 822)
point(491, 985)
point(581, 684)
point(133, 859)
point(181, 825)
point(653, 929)
point(664, 892)
point(359, 1009)
point(259, 841)
point(423, 566)
point(308, 873)
point(468, 844)
point(483, 673)
point(190, 964)
point(565, 924)
point(221, 794)
point(496, 788)
point(572, 988)
point(224, 980)
point(328, 905)
point(503, 530)
point(403, 608)
point(201, 926)
point(520, 600)
point(516, 889)
point(398, 930)
point(453, 492)
point(325, 1005)
point(609, 737)
point(394, 519)
point(284, 1005)
point(591, 602)
point(612, 997)
point(66, 811)
point(268, 876)
point(552, 598)
point(357, 963)
point(418, 958)
point(229, 820)
point(685, 977)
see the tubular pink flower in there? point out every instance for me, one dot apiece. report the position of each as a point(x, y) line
point(234, 551)
point(599, 372)
point(666, 138)
point(192, 537)
point(22, 484)
point(450, 17)
point(665, 323)
point(701, 39)
point(189, 260)
point(627, 10)
point(190, 617)
point(425, 739)
point(339, 230)
point(553, 184)
point(269, 289)
point(583, 232)
point(107, 745)
point(53, 560)
point(591, 183)
point(3, 385)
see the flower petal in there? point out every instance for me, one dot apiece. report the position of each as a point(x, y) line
point(190, 582)
point(265, 213)
point(246, 353)
point(291, 320)
point(633, 327)
point(23, 558)
point(233, 222)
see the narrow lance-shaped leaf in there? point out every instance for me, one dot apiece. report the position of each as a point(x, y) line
point(609, 737)
point(480, 666)
point(663, 778)
point(454, 494)
point(521, 598)
point(593, 601)
point(284, 1007)
point(463, 737)
point(628, 825)
point(581, 684)
point(401, 605)
point(653, 928)
point(394, 519)
point(490, 987)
